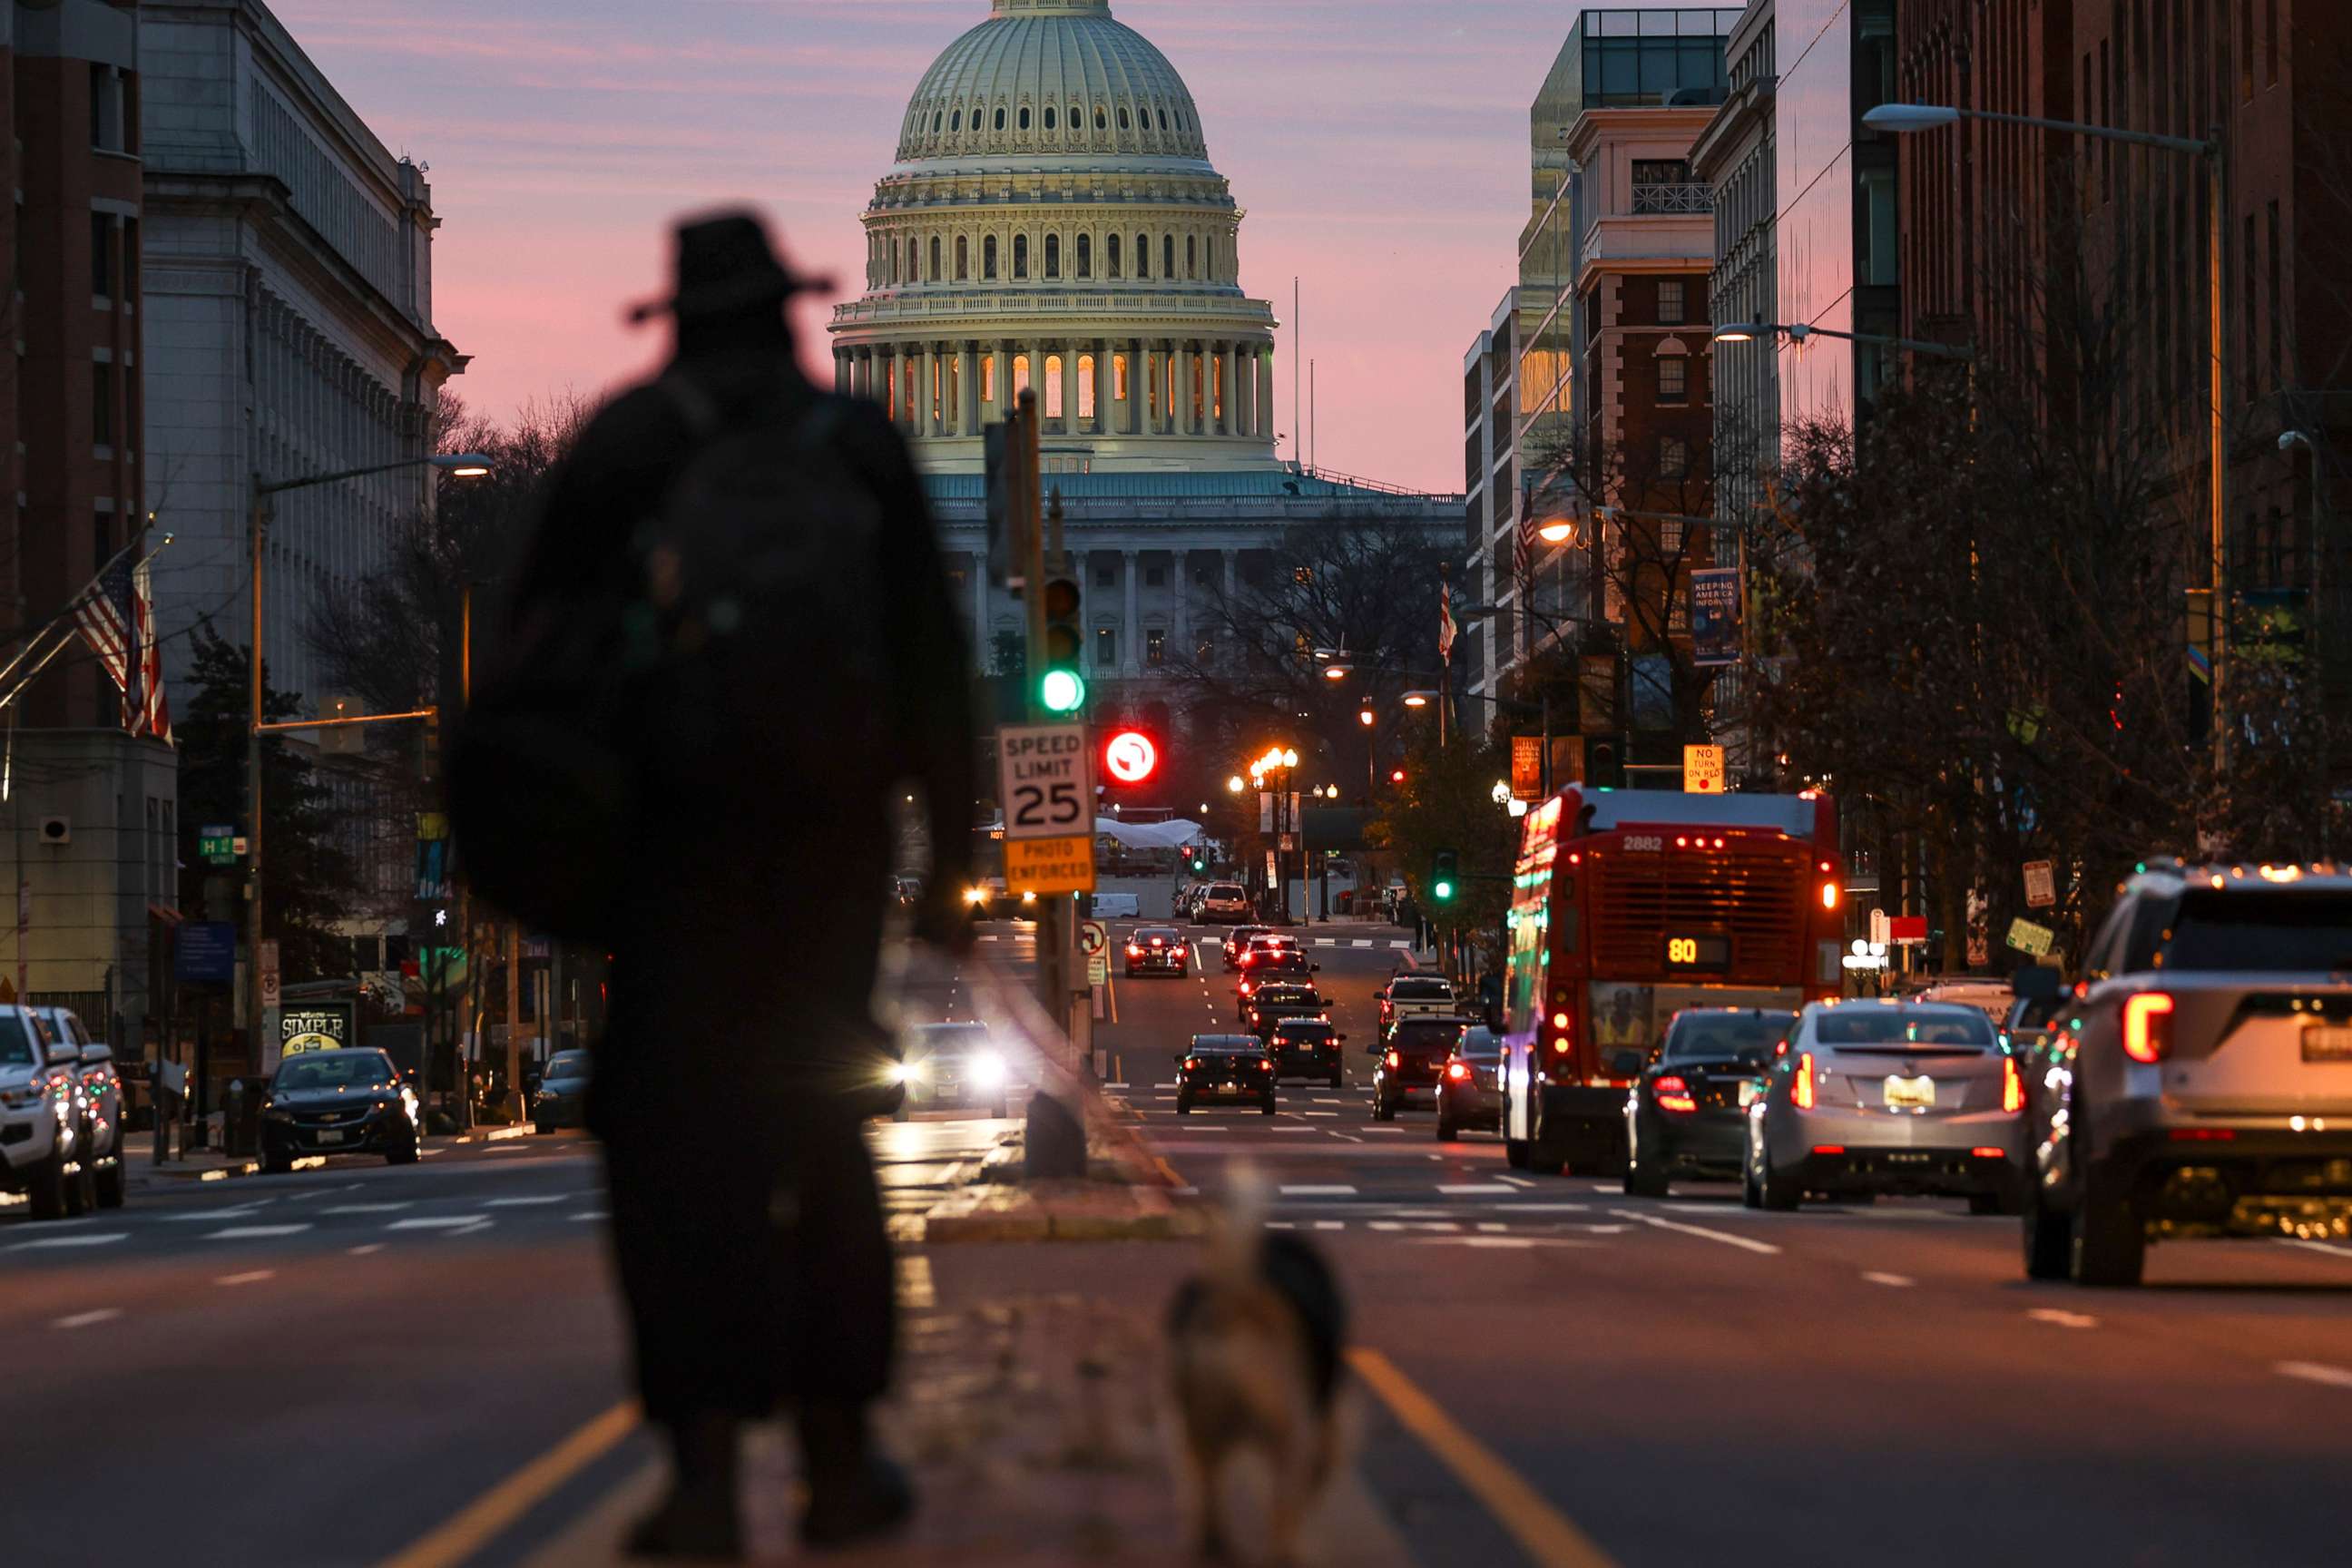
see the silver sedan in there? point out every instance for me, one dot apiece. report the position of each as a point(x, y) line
point(1871, 1097)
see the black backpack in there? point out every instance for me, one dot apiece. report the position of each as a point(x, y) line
point(740, 639)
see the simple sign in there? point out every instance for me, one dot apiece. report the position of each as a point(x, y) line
point(205, 952)
point(1045, 779)
point(269, 975)
point(2041, 885)
point(1703, 768)
point(313, 1028)
point(1130, 758)
point(2027, 937)
point(1094, 938)
point(217, 845)
point(1050, 865)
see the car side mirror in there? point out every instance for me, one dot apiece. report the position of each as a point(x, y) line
point(1626, 1063)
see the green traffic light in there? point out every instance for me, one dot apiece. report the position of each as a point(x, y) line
point(1062, 691)
point(1443, 890)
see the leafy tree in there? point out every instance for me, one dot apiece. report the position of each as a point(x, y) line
point(1448, 803)
point(307, 880)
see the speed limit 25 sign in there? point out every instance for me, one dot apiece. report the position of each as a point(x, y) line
point(1045, 781)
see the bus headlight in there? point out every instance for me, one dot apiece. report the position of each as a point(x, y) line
point(987, 1069)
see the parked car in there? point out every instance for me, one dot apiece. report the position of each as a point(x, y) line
point(348, 1102)
point(1687, 1115)
point(563, 1097)
point(1470, 1089)
point(1158, 949)
point(1117, 907)
point(1224, 901)
point(1883, 1096)
point(42, 1115)
point(2200, 1085)
point(1228, 1070)
point(1306, 1047)
point(1412, 1062)
point(953, 1064)
point(102, 1091)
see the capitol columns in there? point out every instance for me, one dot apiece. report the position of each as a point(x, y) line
point(1265, 390)
point(1106, 383)
point(1228, 366)
point(1182, 401)
point(967, 388)
point(1131, 653)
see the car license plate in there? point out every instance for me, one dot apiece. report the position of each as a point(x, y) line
point(331, 1136)
point(1750, 1092)
point(1229, 1089)
point(1908, 1158)
point(2327, 1042)
point(1910, 1093)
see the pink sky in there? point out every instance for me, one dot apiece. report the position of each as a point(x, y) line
point(1378, 146)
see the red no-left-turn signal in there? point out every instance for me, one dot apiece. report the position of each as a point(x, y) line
point(1130, 757)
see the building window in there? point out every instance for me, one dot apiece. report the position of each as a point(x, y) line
point(934, 259)
point(1671, 306)
point(1105, 647)
point(1204, 653)
point(1155, 577)
point(2278, 357)
point(108, 123)
point(955, 120)
point(1020, 255)
point(1105, 577)
point(1024, 119)
point(1124, 124)
point(1085, 256)
point(2270, 41)
point(101, 255)
point(1673, 378)
point(1049, 118)
point(1110, 256)
point(130, 259)
point(988, 256)
point(1143, 256)
point(1053, 252)
point(1118, 377)
point(1192, 257)
point(1155, 647)
point(1000, 120)
point(963, 258)
point(101, 404)
point(1168, 256)
point(1674, 457)
point(1102, 120)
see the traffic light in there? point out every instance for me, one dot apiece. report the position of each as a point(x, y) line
point(1604, 761)
point(1061, 687)
point(1396, 776)
point(1199, 861)
point(1444, 875)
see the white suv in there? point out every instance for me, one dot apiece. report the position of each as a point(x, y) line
point(43, 1115)
point(1226, 901)
point(101, 1088)
point(2200, 1082)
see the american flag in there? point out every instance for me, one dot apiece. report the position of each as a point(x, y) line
point(1445, 627)
point(116, 616)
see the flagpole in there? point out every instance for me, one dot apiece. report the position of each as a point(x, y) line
point(70, 635)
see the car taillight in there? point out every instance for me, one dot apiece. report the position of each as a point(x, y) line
point(1804, 1089)
point(2012, 1086)
point(2148, 1027)
point(1673, 1093)
point(1989, 1152)
point(1265, 1065)
point(1829, 895)
point(1458, 1072)
point(1191, 1064)
point(1393, 1060)
point(1133, 950)
point(1561, 1046)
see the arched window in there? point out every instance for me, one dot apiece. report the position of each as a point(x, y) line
point(955, 120)
point(1085, 256)
point(1102, 120)
point(1023, 377)
point(934, 259)
point(988, 256)
point(894, 262)
point(1000, 120)
point(1021, 256)
point(1078, 118)
point(1143, 256)
point(963, 258)
point(1053, 255)
point(1049, 117)
point(1124, 124)
point(1163, 119)
point(1024, 118)
point(936, 121)
point(1192, 257)
point(1168, 256)
point(1110, 256)
point(1056, 387)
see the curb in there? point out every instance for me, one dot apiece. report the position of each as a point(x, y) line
point(1056, 1211)
point(144, 1172)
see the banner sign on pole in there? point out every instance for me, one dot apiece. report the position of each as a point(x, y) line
point(1714, 616)
point(1526, 767)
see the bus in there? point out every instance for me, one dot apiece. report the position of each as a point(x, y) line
point(1628, 905)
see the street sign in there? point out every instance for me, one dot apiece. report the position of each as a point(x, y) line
point(1094, 938)
point(1130, 757)
point(1099, 970)
point(237, 846)
point(1702, 768)
point(269, 975)
point(1881, 928)
point(203, 952)
point(1046, 782)
point(2027, 937)
point(216, 846)
point(1050, 865)
point(2041, 885)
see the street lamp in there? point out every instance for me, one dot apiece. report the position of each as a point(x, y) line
point(1556, 529)
point(1418, 699)
point(1905, 117)
point(459, 464)
point(1798, 331)
point(1234, 783)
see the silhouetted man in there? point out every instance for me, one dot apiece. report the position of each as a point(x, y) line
point(742, 1053)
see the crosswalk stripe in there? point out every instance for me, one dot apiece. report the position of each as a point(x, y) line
point(48, 1243)
point(255, 1232)
point(438, 1222)
point(1317, 1192)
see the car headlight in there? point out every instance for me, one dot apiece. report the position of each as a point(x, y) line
point(906, 1072)
point(975, 895)
point(987, 1069)
point(1028, 896)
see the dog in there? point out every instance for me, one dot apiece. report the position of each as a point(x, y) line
point(1256, 1342)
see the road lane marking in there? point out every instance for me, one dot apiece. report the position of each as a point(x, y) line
point(1891, 1281)
point(2315, 1372)
point(255, 1232)
point(1542, 1532)
point(1318, 1113)
point(1541, 1208)
point(525, 1203)
point(364, 1251)
point(2061, 1319)
point(49, 1243)
point(1440, 1225)
point(367, 1208)
point(2328, 1247)
point(1747, 1244)
point(86, 1320)
point(250, 1277)
point(1474, 1190)
point(213, 1216)
point(1317, 1192)
point(590, 1215)
point(460, 1537)
point(439, 1222)
point(1515, 1181)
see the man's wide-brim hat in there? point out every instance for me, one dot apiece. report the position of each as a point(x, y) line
point(726, 266)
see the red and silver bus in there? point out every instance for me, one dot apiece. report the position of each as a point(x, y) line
point(1628, 905)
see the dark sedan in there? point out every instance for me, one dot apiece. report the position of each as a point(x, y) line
point(1157, 950)
point(1271, 1004)
point(1413, 1061)
point(563, 1097)
point(338, 1102)
point(1306, 1048)
point(1224, 1069)
point(1470, 1091)
point(1687, 1115)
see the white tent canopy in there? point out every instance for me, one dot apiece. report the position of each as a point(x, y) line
point(1138, 835)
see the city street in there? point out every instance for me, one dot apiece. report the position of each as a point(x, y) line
point(360, 1353)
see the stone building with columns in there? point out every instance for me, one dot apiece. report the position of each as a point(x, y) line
point(1053, 221)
